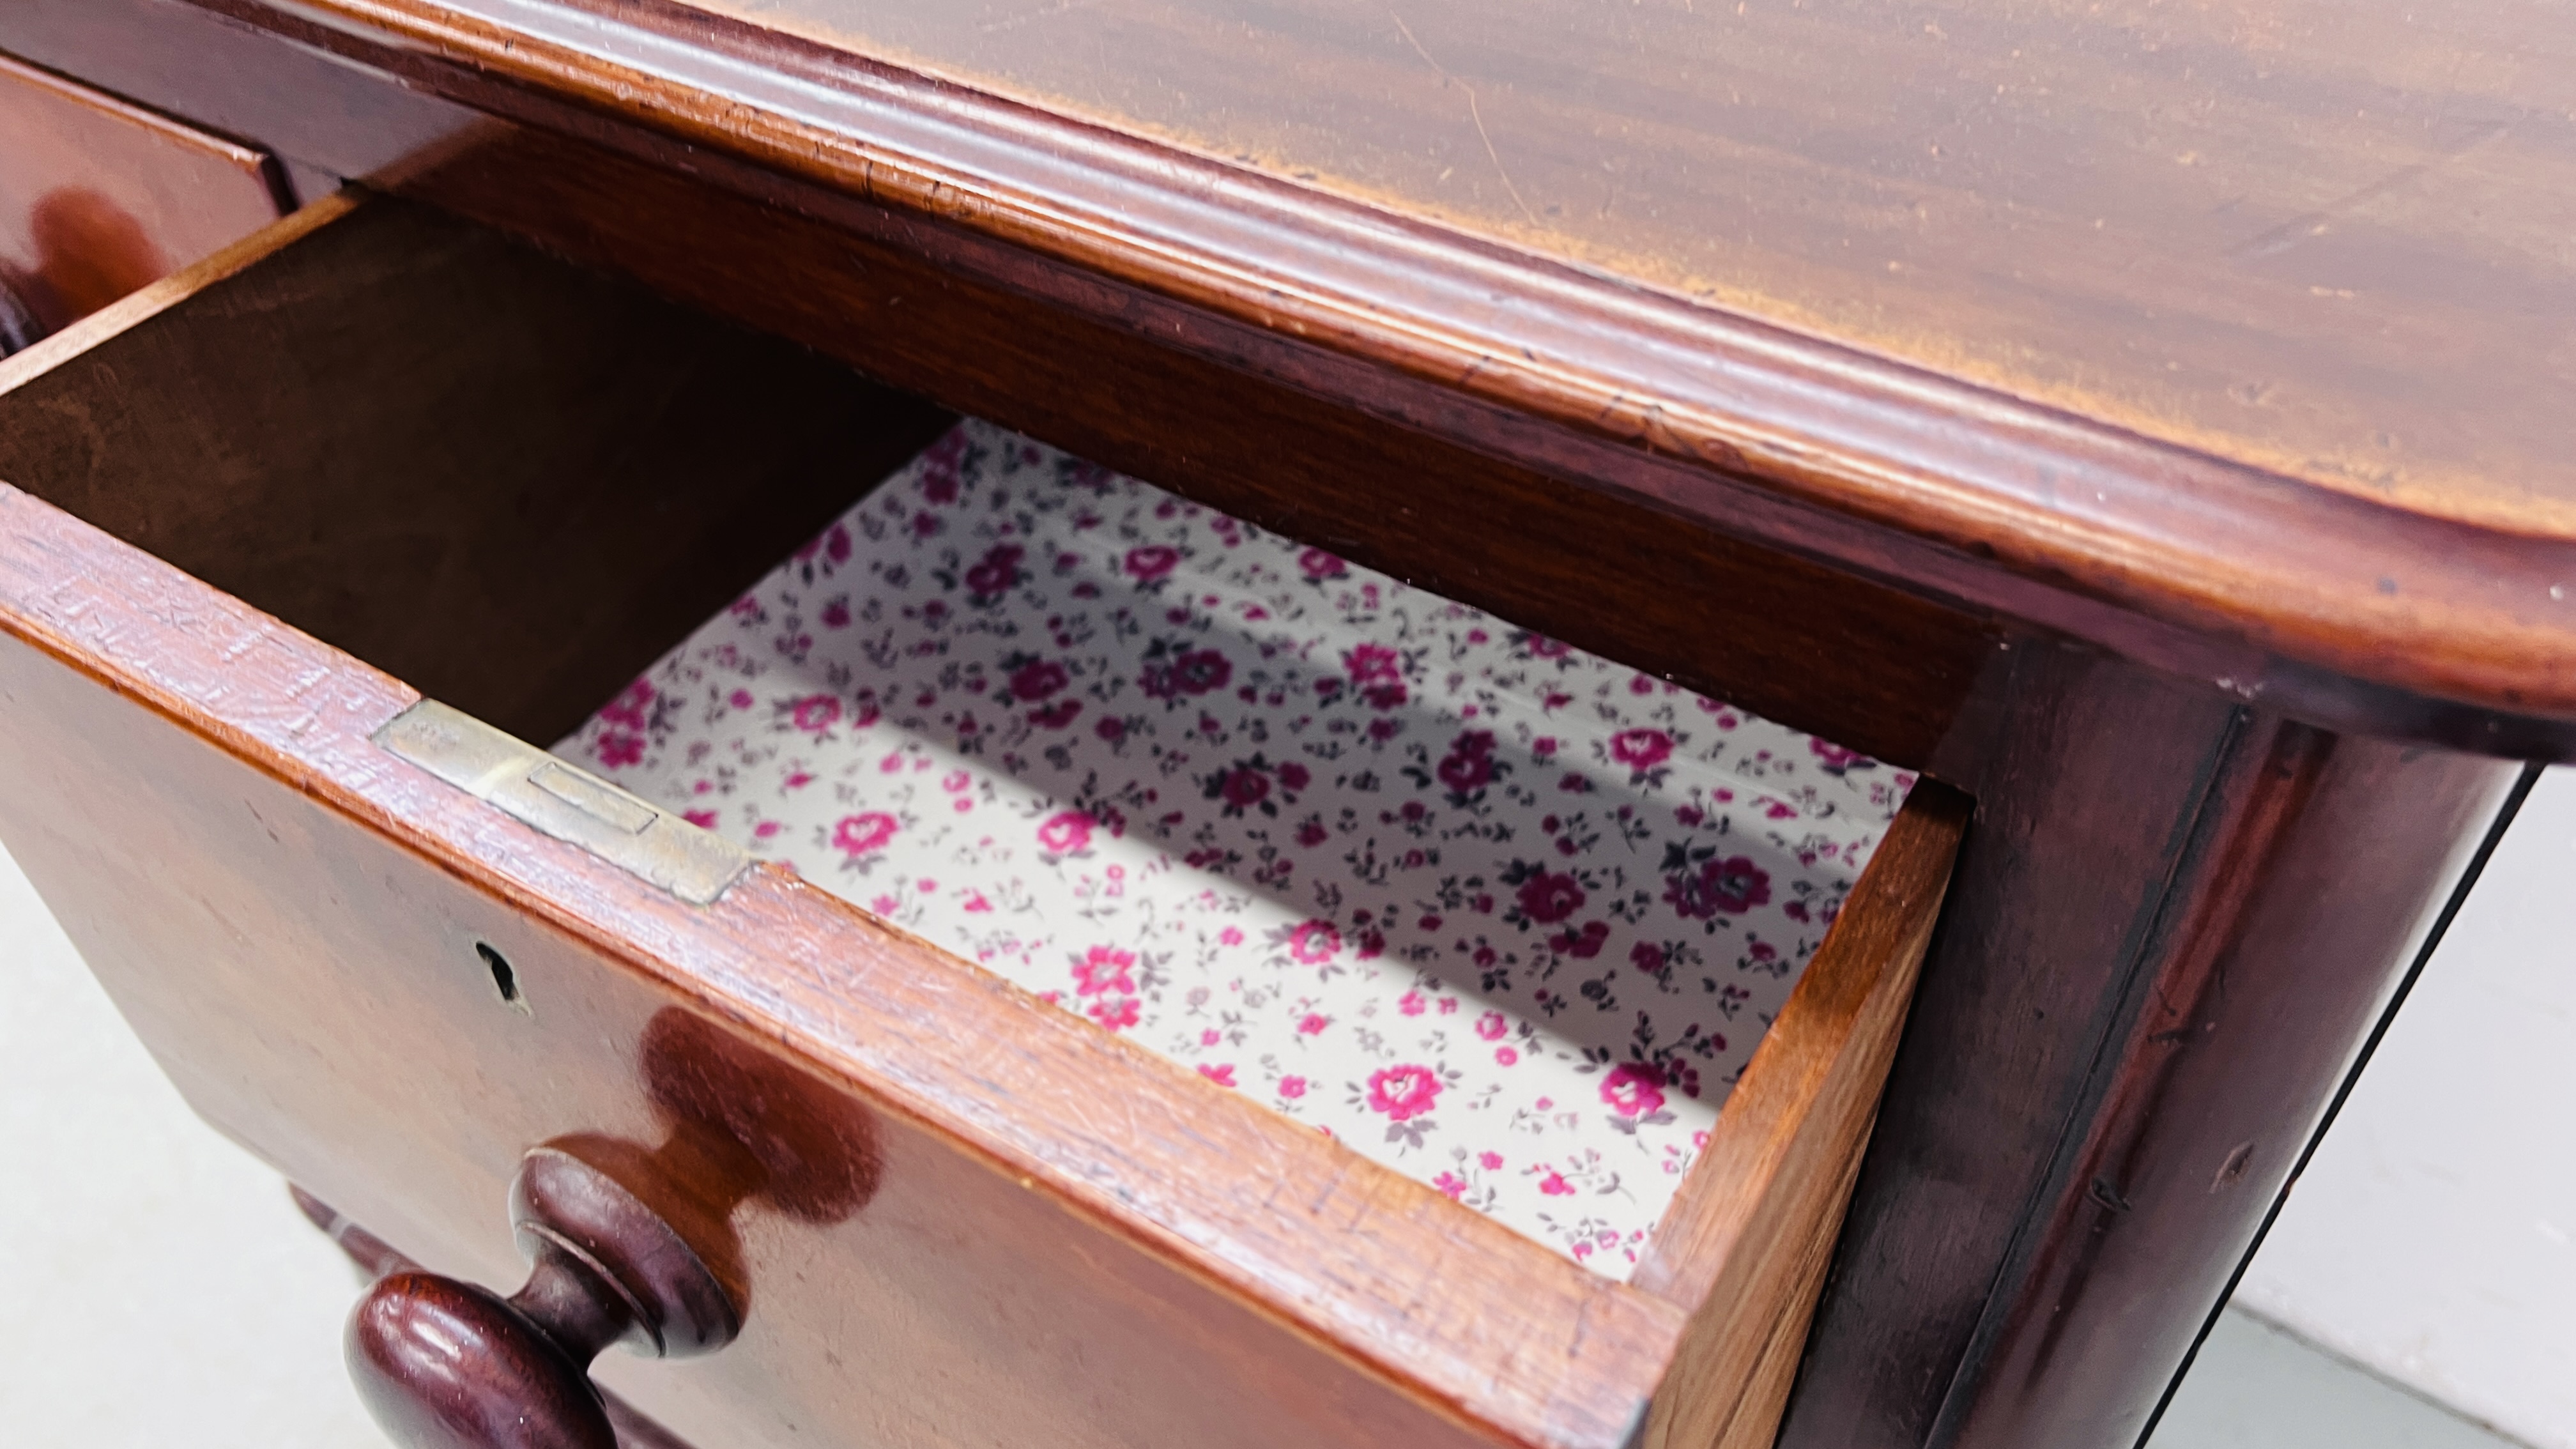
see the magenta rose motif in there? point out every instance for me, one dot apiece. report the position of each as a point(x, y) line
point(1469, 765)
point(1313, 943)
point(1195, 671)
point(1641, 749)
point(1634, 1089)
point(1201, 670)
point(1316, 564)
point(1244, 787)
point(1036, 680)
point(1151, 562)
point(1293, 777)
point(997, 573)
point(1065, 832)
point(1584, 944)
point(857, 835)
point(628, 708)
point(617, 750)
point(1730, 886)
point(816, 713)
point(939, 476)
point(1549, 896)
point(1378, 673)
point(1404, 1092)
point(1372, 664)
point(1104, 968)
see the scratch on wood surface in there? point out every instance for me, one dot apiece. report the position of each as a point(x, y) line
point(1043, 12)
point(2297, 229)
point(1473, 113)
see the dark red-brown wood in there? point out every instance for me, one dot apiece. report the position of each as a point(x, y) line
point(2378, 619)
point(2379, 616)
point(2106, 789)
point(1379, 1309)
point(509, 482)
point(449, 1365)
point(1068, 1236)
point(375, 1258)
point(2168, 932)
point(99, 196)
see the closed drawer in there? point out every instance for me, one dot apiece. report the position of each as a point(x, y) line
point(392, 951)
point(98, 197)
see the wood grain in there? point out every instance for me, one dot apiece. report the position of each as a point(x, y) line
point(545, 533)
point(2380, 616)
point(1072, 1242)
point(1755, 1423)
point(2308, 235)
point(1744, 1243)
point(243, 752)
point(2307, 885)
point(1747, 1239)
point(510, 482)
point(2092, 773)
point(2168, 926)
point(99, 196)
point(1879, 669)
point(373, 1257)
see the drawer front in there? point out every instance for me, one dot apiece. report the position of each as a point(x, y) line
point(98, 197)
point(958, 1215)
point(304, 958)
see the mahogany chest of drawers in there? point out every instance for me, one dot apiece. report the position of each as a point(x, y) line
point(2108, 422)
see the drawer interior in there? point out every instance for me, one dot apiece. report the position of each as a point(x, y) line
point(1500, 914)
point(585, 515)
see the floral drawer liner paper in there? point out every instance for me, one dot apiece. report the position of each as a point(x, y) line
point(1502, 915)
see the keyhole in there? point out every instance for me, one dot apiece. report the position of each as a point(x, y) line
point(504, 978)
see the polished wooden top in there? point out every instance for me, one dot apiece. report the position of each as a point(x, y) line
point(2335, 240)
point(2228, 337)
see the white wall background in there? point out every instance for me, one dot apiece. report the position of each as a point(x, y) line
point(2433, 1239)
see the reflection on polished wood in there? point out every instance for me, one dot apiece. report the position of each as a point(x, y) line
point(2195, 557)
point(98, 197)
point(2325, 238)
point(2190, 693)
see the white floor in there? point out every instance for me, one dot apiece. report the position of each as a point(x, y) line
point(161, 1290)
point(2257, 1387)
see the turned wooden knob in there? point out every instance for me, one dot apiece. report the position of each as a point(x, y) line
point(447, 1365)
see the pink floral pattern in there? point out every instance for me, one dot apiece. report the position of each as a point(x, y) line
point(1503, 915)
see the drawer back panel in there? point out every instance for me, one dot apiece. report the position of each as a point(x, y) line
point(507, 481)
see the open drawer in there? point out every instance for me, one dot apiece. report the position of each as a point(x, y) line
point(391, 950)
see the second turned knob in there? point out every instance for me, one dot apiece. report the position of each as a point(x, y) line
point(447, 1365)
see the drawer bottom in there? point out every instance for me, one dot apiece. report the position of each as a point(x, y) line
point(1503, 915)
